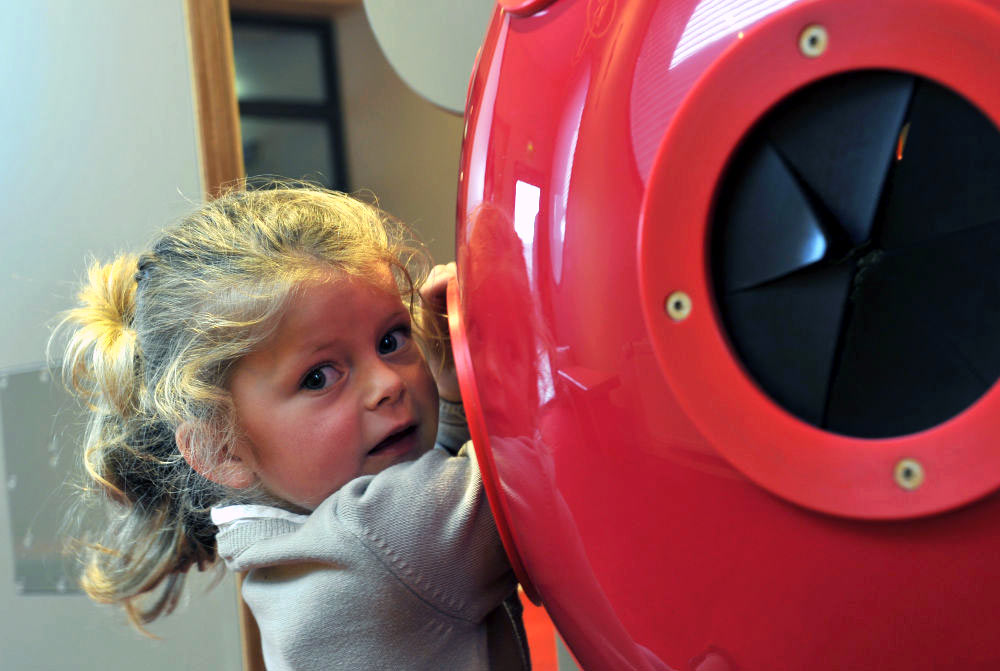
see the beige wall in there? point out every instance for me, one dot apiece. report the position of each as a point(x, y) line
point(399, 146)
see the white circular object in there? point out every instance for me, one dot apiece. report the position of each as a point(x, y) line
point(432, 44)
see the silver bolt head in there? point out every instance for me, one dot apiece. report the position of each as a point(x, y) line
point(909, 474)
point(678, 306)
point(813, 41)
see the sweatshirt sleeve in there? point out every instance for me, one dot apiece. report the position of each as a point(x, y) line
point(430, 525)
point(453, 430)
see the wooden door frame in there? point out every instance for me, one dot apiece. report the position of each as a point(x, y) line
point(210, 40)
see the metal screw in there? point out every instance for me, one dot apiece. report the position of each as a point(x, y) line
point(813, 41)
point(909, 474)
point(678, 306)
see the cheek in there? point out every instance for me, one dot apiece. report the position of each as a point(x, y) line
point(317, 439)
point(317, 459)
point(335, 428)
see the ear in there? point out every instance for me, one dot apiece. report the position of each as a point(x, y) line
point(225, 468)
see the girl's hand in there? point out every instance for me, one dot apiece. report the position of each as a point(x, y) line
point(434, 293)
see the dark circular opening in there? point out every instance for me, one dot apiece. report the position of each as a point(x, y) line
point(855, 254)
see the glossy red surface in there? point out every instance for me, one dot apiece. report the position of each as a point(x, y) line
point(627, 461)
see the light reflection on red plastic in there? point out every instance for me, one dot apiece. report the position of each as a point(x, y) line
point(480, 439)
point(525, 7)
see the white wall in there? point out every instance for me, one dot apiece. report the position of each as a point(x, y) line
point(97, 150)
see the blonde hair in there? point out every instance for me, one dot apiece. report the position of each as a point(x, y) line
point(149, 348)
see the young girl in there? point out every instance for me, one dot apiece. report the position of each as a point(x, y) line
point(259, 392)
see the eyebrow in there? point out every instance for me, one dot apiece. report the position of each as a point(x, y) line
point(323, 345)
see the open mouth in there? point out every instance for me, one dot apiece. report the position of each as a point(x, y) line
point(393, 440)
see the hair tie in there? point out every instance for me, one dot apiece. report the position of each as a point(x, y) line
point(143, 272)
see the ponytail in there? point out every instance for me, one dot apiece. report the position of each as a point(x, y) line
point(100, 358)
point(157, 525)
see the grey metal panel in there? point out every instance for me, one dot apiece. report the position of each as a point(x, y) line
point(41, 431)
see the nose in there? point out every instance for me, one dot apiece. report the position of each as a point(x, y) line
point(384, 385)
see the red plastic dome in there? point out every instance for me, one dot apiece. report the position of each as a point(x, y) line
point(725, 322)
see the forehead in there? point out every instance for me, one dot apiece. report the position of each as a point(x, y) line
point(338, 298)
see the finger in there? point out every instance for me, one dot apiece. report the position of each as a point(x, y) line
point(436, 284)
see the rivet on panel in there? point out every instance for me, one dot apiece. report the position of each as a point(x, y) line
point(909, 474)
point(678, 306)
point(813, 41)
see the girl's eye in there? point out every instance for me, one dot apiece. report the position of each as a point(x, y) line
point(394, 340)
point(319, 378)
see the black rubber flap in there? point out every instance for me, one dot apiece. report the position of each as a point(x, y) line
point(855, 250)
point(787, 334)
point(949, 176)
point(840, 137)
point(771, 230)
point(922, 341)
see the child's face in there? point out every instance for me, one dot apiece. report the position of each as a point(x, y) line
point(339, 390)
